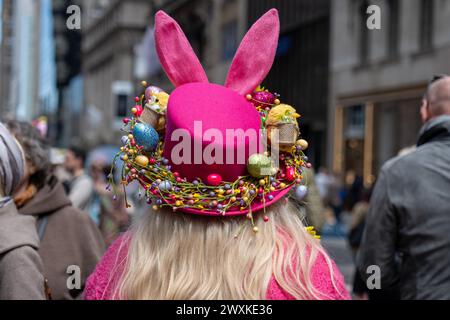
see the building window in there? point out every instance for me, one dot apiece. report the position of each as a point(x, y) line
point(229, 40)
point(122, 105)
point(393, 28)
point(426, 24)
point(364, 34)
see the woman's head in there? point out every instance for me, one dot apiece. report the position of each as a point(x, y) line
point(179, 256)
point(36, 150)
point(11, 162)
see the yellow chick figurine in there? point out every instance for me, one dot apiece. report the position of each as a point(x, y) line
point(159, 102)
point(162, 99)
point(282, 113)
point(155, 110)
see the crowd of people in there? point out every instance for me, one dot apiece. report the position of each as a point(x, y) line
point(57, 214)
point(64, 235)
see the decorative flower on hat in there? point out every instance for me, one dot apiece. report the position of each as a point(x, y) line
point(178, 148)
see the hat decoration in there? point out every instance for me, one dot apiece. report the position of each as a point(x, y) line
point(213, 188)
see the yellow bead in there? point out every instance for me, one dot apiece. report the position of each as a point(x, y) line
point(245, 199)
point(262, 182)
point(130, 136)
point(272, 189)
point(134, 110)
point(155, 208)
point(221, 191)
point(255, 229)
point(277, 101)
point(233, 199)
point(282, 185)
point(144, 83)
point(179, 203)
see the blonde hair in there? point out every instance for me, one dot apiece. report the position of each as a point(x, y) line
point(179, 256)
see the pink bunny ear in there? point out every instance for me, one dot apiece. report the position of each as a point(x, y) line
point(175, 53)
point(255, 55)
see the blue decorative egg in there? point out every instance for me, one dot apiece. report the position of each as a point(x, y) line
point(165, 186)
point(300, 192)
point(146, 136)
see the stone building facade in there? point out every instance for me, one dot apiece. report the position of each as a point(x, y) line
point(378, 78)
point(111, 30)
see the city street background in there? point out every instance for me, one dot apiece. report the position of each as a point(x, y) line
point(358, 90)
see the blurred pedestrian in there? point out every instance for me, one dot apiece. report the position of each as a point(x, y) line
point(323, 181)
point(81, 187)
point(68, 237)
point(356, 230)
point(20, 264)
point(112, 214)
point(315, 210)
point(409, 215)
point(58, 159)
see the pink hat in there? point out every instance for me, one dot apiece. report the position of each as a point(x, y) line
point(203, 149)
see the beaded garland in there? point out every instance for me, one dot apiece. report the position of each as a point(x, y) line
point(165, 188)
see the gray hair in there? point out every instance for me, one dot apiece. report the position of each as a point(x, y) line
point(35, 147)
point(11, 162)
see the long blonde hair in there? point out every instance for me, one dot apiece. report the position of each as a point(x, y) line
point(180, 256)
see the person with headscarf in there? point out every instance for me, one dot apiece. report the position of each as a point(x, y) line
point(20, 265)
point(68, 236)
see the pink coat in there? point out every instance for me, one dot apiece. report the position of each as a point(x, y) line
point(100, 283)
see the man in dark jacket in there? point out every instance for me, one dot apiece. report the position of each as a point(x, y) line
point(408, 225)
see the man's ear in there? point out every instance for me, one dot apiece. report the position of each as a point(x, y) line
point(424, 111)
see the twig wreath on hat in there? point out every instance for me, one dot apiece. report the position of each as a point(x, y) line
point(209, 149)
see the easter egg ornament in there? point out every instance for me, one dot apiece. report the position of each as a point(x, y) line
point(142, 161)
point(263, 98)
point(300, 192)
point(146, 136)
point(214, 180)
point(165, 186)
point(259, 166)
point(150, 91)
point(290, 174)
point(124, 140)
point(302, 144)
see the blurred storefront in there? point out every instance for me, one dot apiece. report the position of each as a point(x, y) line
point(378, 78)
point(371, 129)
